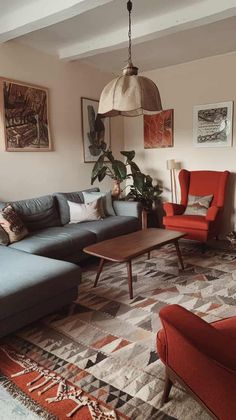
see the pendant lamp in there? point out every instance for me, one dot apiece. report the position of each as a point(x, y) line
point(129, 95)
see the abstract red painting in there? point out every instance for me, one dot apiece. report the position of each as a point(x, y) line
point(158, 129)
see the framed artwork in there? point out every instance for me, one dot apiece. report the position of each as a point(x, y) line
point(158, 129)
point(24, 117)
point(95, 130)
point(212, 125)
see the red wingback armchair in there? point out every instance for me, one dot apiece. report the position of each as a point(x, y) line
point(199, 183)
point(201, 357)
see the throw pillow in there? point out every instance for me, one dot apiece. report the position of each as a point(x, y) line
point(4, 238)
point(198, 205)
point(12, 224)
point(84, 212)
point(106, 201)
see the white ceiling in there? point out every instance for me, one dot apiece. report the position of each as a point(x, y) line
point(164, 32)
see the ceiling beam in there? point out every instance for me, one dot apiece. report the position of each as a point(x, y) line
point(40, 14)
point(188, 17)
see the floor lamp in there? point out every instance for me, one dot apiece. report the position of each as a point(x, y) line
point(171, 166)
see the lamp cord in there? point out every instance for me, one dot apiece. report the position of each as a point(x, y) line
point(129, 8)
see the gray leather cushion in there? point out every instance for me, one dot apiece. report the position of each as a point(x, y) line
point(38, 213)
point(27, 280)
point(57, 242)
point(75, 197)
point(111, 226)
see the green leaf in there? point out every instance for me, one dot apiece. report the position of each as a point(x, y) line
point(139, 181)
point(102, 174)
point(149, 181)
point(130, 155)
point(119, 169)
point(108, 154)
point(134, 168)
point(97, 168)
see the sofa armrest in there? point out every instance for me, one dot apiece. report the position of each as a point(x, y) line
point(127, 208)
point(212, 213)
point(171, 209)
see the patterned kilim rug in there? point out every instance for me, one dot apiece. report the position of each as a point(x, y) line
point(97, 359)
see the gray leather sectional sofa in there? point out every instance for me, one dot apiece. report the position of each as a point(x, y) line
point(39, 273)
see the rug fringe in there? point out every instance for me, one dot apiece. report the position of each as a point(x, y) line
point(65, 391)
point(18, 394)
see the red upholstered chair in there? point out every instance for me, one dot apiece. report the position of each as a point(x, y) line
point(201, 357)
point(200, 183)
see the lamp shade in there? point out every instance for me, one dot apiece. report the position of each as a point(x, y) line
point(171, 164)
point(129, 95)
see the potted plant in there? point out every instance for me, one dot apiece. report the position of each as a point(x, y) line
point(141, 189)
point(148, 194)
point(144, 191)
point(107, 165)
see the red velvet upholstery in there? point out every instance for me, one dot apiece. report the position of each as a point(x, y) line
point(198, 183)
point(203, 355)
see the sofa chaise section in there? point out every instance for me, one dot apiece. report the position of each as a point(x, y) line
point(32, 286)
point(35, 275)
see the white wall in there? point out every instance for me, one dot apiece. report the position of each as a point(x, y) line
point(204, 81)
point(29, 174)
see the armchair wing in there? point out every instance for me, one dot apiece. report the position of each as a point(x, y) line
point(212, 213)
point(203, 336)
point(201, 357)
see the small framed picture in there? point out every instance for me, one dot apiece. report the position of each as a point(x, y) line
point(95, 130)
point(158, 129)
point(24, 117)
point(213, 124)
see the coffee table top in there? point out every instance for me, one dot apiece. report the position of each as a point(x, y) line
point(124, 248)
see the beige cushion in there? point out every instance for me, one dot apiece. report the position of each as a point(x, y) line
point(85, 212)
point(198, 205)
point(12, 224)
point(106, 201)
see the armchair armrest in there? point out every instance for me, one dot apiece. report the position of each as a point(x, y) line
point(172, 209)
point(212, 213)
point(128, 208)
point(209, 340)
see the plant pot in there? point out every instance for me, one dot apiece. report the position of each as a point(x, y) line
point(116, 190)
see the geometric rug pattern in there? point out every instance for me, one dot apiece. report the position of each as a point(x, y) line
point(105, 343)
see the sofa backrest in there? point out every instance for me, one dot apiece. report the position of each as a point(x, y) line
point(37, 213)
point(75, 197)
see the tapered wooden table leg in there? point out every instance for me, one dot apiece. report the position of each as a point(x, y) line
point(101, 264)
point(149, 255)
point(179, 254)
point(130, 283)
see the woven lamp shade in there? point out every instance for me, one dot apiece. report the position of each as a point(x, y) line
point(129, 95)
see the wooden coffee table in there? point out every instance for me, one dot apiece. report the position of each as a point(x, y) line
point(126, 247)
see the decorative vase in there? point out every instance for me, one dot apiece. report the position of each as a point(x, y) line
point(116, 190)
